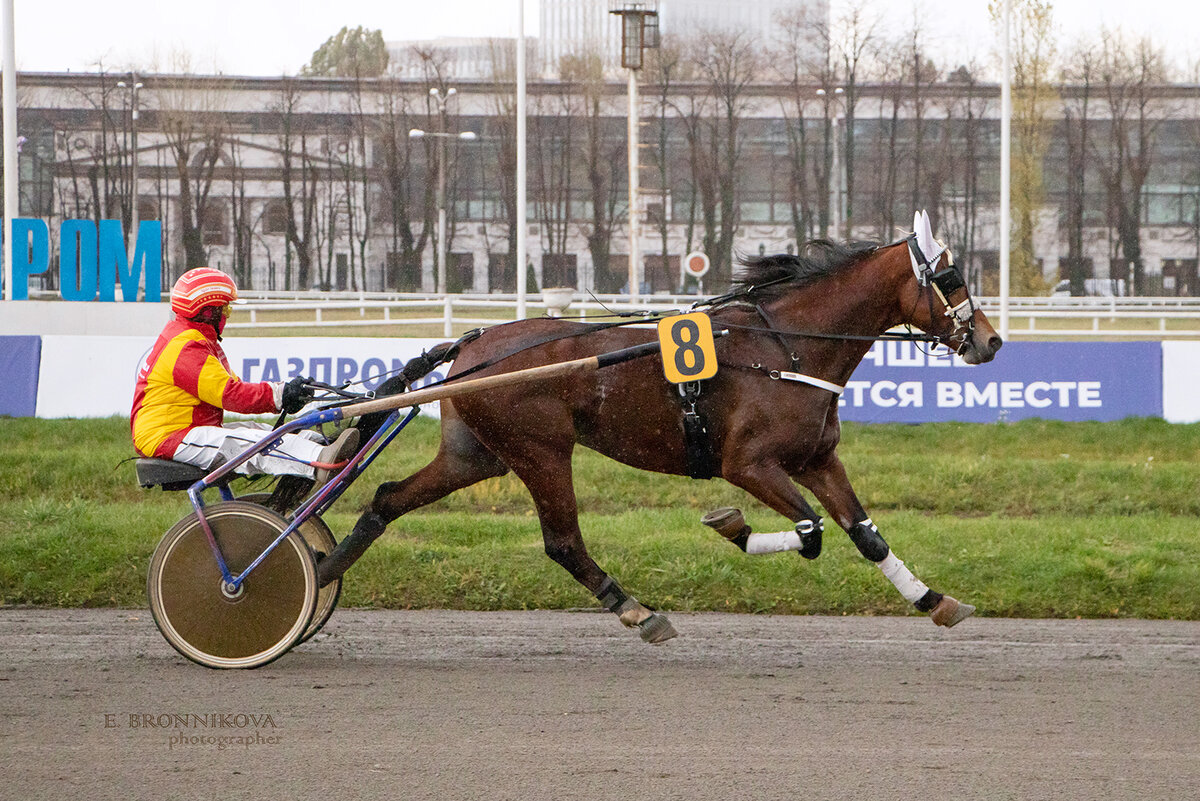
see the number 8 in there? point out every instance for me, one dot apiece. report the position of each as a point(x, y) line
point(688, 346)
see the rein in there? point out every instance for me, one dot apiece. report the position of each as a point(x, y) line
point(886, 336)
point(742, 293)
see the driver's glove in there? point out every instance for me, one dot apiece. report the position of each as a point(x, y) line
point(295, 395)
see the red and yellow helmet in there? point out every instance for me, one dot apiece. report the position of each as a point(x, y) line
point(199, 288)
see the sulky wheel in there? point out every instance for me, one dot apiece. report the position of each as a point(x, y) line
point(268, 614)
point(320, 539)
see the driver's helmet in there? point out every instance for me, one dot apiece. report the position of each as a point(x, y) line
point(199, 288)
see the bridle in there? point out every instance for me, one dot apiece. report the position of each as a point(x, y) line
point(942, 284)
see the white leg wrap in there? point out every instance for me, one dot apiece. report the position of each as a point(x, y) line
point(909, 585)
point(773, 543)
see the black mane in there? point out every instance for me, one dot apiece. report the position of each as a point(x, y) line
point(818, 258)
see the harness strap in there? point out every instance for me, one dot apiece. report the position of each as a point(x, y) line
point(699, 456)
point(820, 383)
point(778, 334)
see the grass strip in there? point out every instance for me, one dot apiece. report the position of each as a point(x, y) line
point(1030, 519)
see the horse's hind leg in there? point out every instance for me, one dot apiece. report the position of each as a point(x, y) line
point(462, 460)
point(828, 481)
point(546, 473)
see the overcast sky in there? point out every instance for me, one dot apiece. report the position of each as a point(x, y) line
point(270, 37)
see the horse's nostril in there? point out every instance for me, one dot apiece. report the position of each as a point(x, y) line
point(994, 343)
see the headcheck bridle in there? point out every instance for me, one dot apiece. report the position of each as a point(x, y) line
point(924, 251)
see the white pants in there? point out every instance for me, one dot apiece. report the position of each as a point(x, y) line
point(203, 445)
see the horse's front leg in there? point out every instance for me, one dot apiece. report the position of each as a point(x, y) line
point(768, 482)
point(828, 481)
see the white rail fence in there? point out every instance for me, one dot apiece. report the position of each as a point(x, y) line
point(1030, 317)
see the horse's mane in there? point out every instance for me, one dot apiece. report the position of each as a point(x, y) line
point(818, 258)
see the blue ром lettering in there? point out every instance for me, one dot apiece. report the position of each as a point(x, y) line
point(92, 260)
point(77, 260)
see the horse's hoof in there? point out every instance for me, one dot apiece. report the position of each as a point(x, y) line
point(950, 611)
point(656, 629)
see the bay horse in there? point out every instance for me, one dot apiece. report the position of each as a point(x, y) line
point(808, 318)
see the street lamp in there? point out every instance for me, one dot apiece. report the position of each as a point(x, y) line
point(836, 211)
point(442, 136)
point(639, 30)
point(133, 86)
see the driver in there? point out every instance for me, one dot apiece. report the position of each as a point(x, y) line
point(185, 386)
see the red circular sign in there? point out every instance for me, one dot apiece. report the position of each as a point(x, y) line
point(695, 264)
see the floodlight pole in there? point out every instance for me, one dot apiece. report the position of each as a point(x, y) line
point(638, 18)
point(635, 233)
point(1005, 167)
point(522, 212)
point(12, 198)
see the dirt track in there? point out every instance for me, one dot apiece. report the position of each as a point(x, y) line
point(454, 705)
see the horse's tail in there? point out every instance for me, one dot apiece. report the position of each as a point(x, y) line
point(416, 369)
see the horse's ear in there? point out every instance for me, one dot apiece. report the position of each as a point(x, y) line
point(924, 230)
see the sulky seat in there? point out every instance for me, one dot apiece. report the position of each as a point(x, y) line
point(167, 474)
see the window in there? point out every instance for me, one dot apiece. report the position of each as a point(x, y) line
point(213, 227)
point(275, 217)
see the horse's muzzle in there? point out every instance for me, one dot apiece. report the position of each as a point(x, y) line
point(981, 349)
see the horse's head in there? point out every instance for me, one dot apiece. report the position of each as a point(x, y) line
point(942, 304)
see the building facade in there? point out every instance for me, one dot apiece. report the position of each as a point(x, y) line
point(315, 182)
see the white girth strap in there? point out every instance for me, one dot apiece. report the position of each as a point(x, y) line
point(808, 379)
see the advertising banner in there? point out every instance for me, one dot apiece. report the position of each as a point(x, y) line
point(904, 382)
point(20, 359)
point(93, 376)
point(1181, 382)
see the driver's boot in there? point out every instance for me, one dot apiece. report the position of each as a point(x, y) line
point(336, 453)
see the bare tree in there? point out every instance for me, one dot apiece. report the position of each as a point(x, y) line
point(1128, 75)
point(241, 218)
point(503, 131)
point(552, 123)
point(403, 259)
point(885, 179)
point(192, 118)
point(1078, 79)
point(920, 73)
point(727, 62)
point(853, 43)
point(299, 177)
point(663, 69)
point(1033, 52)
point(963, 155)
point(600, 155)
point(798, 34)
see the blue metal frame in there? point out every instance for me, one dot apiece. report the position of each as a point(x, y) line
point(316, 504)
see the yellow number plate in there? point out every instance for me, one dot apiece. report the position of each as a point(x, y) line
point(688, 351)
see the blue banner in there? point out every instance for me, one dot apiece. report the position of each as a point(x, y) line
point(901, 382)
point(20, 361)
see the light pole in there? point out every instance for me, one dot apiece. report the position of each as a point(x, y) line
point(837, 213)
point(8, 99)
point(639, 30)
point(133, 86)
point(442, 135)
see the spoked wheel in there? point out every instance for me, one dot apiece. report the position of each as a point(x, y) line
point(320, 539)
point(258, 623)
